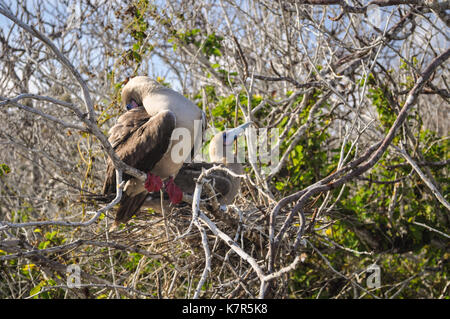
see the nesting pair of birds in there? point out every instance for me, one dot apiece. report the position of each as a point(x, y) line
point(142, 138)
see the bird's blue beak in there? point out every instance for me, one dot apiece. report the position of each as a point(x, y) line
point(234, 133)
point(132, 105)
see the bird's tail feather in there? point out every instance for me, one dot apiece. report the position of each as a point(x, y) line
point(129, 205)
point(90, 198)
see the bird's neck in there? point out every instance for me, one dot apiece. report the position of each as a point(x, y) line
point(228, 157)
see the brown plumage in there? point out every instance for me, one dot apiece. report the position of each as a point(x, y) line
point(155, 98)
point(140, 141)
point(143, 138)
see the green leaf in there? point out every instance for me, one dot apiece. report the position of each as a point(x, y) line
point(4, 169)
point(136, 46)
point(36, 289)
point(44, 244)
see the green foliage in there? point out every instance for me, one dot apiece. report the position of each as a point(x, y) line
point(379, 97)
point(308, 160)
point(46, 294)
point(209, 44)
point(4, 169)
point(225, 107)
point(22, 215)
point(138, 30)
point(132, 261)
point(51, 238)
point(361, 221)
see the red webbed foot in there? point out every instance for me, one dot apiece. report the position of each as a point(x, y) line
point(174, 192)
point(153, 183)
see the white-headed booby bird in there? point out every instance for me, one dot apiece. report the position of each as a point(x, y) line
point(225, 185)
point(142, 138)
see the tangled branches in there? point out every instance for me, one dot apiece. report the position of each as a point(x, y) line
point(359, 101)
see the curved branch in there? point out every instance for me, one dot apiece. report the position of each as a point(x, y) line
point(60, 57)
point(5, 225)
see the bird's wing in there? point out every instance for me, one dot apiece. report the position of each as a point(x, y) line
point(129, 205)
point(140, 141)
point(126, 125)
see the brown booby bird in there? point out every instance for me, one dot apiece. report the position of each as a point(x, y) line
point(143, 138)
point(224, 184)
